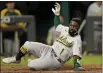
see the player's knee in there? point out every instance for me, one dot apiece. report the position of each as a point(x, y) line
point(24, 49)
point(26, 44)
point(34, 65)
point(31, 66)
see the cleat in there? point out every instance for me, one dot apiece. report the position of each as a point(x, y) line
point(79, 69)
point(10, 60)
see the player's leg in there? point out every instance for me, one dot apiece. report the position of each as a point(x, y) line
point(22, 51)
point(16, 58)
point(97, 39)
point(7, 47)
point(46, 62)
point(29, 47)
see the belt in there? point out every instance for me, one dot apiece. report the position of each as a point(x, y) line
point(57, 57)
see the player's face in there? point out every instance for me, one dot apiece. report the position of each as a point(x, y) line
point(10, 5)
point(99, 3)
point(73, 27)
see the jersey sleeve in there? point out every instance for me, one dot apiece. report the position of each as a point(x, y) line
point(59, 28)
point(3, 12)
point(77, 46)
point(18, 12)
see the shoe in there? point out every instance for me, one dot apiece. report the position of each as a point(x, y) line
point(9, 60)
point(79, 68)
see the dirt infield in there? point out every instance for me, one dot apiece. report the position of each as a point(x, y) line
point(64, 69)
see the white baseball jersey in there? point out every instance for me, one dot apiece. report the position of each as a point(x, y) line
point(66, 46)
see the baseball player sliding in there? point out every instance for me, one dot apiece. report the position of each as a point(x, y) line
point(67, 45)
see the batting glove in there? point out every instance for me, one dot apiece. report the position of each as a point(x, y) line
point(56, 11)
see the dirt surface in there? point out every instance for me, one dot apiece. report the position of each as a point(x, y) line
point(64, 69)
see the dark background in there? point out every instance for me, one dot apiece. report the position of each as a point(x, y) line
point(44, 16)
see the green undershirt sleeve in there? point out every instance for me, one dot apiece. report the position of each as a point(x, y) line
point(56, 21)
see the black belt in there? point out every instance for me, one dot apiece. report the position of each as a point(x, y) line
point(57, 57)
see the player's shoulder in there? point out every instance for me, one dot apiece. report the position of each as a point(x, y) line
point(4, 10)
point(18, 11)
point(52, 29)
point(63, 26)
point(59, 27)
point(65, 29)
point(92, 6)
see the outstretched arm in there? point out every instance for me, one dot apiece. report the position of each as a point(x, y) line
point(77, 50)
point(56, 11)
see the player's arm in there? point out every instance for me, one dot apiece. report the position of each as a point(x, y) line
point(3, 25)
point(20, 24)
point(77, 51)
point(56, 12)
point(57, 23)
point(49, 37)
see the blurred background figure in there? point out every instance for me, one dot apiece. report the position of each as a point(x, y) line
point(95, 9)
point(51, 36)
point(9, 29)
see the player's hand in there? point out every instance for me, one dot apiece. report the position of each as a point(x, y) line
point(56, 11)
